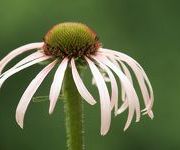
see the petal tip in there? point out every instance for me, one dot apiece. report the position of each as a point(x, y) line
point(20, 123)
point(151, 115)
point(51, 110)
point(93, 102)
point(103, 133)
point(137, 120)
point(19, 118)
point(125, 128)
point(115, 113)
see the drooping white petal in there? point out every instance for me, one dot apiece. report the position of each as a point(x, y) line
point(123, 107)
point(80, 85)
point(29, 92)
point(27, 59)
point(17, 52)
point(10, 73)
point(57, 84)
point(104, 97)
point(141, 82)
point(126, 71)
point(143, 87)
point(129, 90)
point(141, 77)
point(114, 87)
point(128, 74)
point(123, 95)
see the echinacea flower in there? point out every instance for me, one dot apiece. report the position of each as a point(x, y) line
point(66, 45)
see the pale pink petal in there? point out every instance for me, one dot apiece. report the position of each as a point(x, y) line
point(17, 52)
point(141, 76)
point(126, 71)
point(141, 82)
point(143, 86)
point(114, 87)
point(128, 74)
point(27, 59)
point(29, 92)
point(104, 97)
point(128, 59)
point(129, 90)
point(57, 84)
point(123, 107)
point(80, 85)
point(10, 73)
point(123, 94)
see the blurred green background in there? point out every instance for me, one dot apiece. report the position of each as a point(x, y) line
point(147, 30)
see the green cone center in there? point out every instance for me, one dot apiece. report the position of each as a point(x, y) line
point(71, 39)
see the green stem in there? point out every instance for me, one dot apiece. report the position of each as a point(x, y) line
point(73, 112)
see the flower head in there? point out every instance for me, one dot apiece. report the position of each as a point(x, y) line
point(71, 40)
point(65, 45)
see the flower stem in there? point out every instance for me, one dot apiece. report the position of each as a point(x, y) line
point(73, 108)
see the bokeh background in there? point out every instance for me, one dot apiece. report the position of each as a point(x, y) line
point(147, 30)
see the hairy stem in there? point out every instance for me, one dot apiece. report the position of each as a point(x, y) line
point(73, 112)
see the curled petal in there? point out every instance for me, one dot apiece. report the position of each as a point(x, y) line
point(141, 77)
point(128, 74)
point(104, 97)
point(57, 84)
point(141, 82)
point(80, 85)
point(17, 52)
point(114, 87)
point(129, 90)
point(29, 92)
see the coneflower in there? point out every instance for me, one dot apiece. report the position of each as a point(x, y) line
point(70, 45)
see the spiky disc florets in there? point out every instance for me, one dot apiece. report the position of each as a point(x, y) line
point(71, 40)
